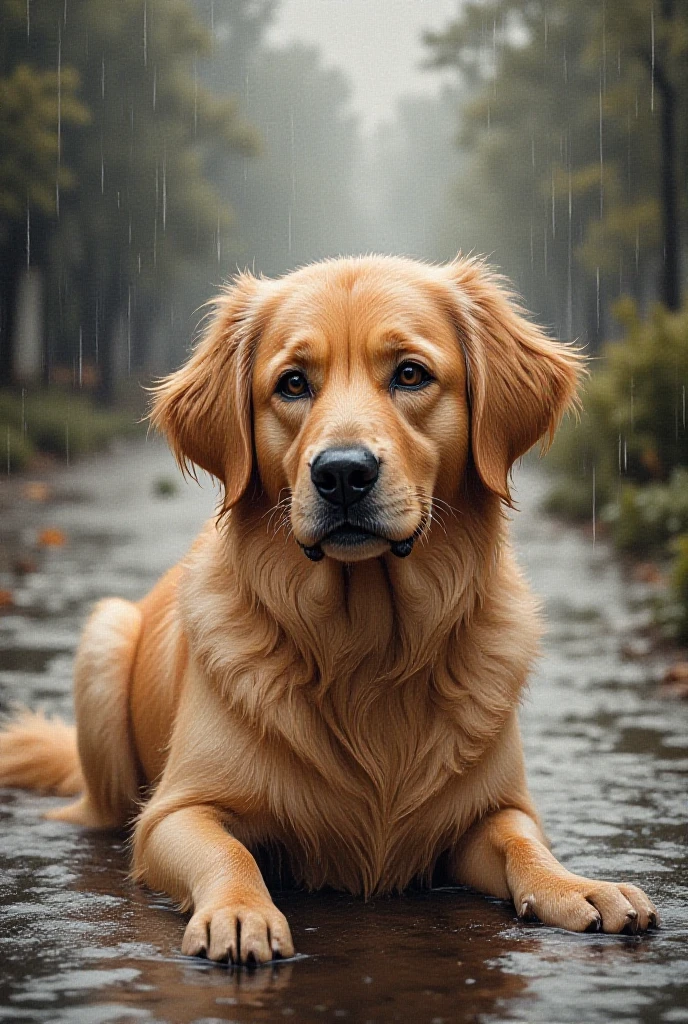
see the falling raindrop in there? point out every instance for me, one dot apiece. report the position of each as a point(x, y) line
point(652, 59)
point(601, 156)
point(28, 34)
point(620, 452)
point(554, 226)
point(532, 244)
point(293, 158)
point(594, 509)
point(81, 355)
point(67, 441)
point(96, 334)
point(195, 71)
point(23, 410)
point(219, 241)
point(164, 192)
point(64, 13)
point(28, 233)
point(8, 451)
point(145, 35)
point(59, 117)
point(102, 166)
point(129, 329)
point(632, 403)
point(289, 230)
point(604, 44)
point(597, 280)
point(569, 272)
point(102, 78)
point(155, 86)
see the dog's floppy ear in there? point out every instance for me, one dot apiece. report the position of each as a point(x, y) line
point(204, 408)
point(520, 382)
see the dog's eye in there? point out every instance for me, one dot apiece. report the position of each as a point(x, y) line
point(293, 385)
point(410, 376)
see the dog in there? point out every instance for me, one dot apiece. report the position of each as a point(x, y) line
point(333, 673)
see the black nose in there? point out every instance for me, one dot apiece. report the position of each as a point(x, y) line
point(343, 476)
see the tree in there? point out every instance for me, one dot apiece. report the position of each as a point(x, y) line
point(140, 203)
point(564, 144)
point(295, 201)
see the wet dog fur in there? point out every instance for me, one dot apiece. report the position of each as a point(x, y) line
point(354, 709)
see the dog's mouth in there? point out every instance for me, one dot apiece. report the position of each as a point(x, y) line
point(348, 538)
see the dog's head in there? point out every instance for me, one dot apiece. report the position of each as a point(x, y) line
point(362, 392)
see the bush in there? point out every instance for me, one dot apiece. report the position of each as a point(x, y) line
point(647, 518)
point(633, 424)
point(632, 435)
point(61, 423)
point(16, 450)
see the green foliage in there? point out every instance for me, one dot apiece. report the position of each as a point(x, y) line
point(646, 518)
point(16, 449)
point(633, 425)
point(58, 423)
point(30, 170)
point(633, 435)
point(107, 131)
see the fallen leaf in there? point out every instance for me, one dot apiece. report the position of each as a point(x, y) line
point(6, 599)
point(24, 565)
point(36, 490)
point(676, 673)
point(52, 538)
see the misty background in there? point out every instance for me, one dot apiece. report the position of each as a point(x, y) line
point(150, 148)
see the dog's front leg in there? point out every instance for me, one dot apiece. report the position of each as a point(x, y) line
point(190, 855)
point(505, 855)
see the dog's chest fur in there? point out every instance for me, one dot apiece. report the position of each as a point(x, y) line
point(349, 739)
point(367, 813)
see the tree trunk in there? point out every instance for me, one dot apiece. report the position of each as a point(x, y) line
point(671, 277)
point(12, 259)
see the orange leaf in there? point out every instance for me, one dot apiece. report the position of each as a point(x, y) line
point(52, 538)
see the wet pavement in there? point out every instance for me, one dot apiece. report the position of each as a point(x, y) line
point(607, 760)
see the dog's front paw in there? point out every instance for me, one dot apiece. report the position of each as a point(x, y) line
point(581, 905)
point(239, 933)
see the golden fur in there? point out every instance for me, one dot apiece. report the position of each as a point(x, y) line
point(357, 716)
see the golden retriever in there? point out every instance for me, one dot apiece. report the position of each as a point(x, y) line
point(334, 671)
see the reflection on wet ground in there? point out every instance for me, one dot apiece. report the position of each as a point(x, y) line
point(607, 760)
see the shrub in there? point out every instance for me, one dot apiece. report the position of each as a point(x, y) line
point(61, 423)
point(647, 517)
point(16, 450)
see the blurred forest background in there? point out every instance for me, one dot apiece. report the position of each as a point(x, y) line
point(149, 148)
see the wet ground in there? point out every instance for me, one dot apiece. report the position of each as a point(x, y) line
point(607, 759)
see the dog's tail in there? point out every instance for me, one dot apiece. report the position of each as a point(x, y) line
point(40, 753)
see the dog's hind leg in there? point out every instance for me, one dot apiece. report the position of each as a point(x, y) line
point(102, 681)
point(97, 759)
